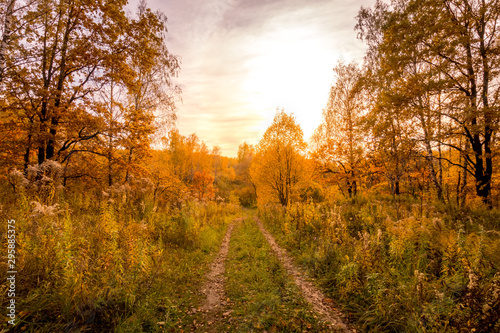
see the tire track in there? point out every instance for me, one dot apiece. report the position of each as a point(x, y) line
point(313, 295)
point(213, 289)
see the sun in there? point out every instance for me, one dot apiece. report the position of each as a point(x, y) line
point(293, 70)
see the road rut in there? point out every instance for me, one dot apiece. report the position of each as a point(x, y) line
point(313, 295)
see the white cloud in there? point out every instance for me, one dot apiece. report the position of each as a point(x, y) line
point(242, 59)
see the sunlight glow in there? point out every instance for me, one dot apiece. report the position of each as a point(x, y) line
point(294, 71)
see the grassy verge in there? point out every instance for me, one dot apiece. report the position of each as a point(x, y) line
point(261, 295)
point(108, 266)
point(167, 306)
point(398, 269)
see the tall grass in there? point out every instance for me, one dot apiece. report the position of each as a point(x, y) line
point(399, 268)
point(107, 262)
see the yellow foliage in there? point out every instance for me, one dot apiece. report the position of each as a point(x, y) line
point(279, 162)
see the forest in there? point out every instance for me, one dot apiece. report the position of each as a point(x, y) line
point(111, 219)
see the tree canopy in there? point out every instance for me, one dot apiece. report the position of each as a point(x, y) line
point(279, 161)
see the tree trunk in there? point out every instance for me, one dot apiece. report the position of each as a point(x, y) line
point(434, 174)
point(7, 30)
point(463, 193)
point(27, 153)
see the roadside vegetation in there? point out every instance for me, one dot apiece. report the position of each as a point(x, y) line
point(113, 263)
point(394, 267)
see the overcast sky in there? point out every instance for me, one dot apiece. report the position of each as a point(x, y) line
point(241, 59)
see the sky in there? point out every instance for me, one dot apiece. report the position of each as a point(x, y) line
point(243, 59)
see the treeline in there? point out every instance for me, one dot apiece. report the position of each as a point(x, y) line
point(433, 67)
point(83, 81)
point(88, 85)
point(419, 117)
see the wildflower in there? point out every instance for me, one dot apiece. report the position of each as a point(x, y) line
point(365, 237)
point(44, 210)
point(439, 295)
point(420, 279)
point(473, 280)
point(32, 172)
point(379, 235)
point(437, 223)
point(51, 167)
point(493, 296)
point(420, 276)
point(17, 178)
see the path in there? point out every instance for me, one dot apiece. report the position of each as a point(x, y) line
point(213, 310)
point(214, 287)
point(313, 295)
point(210, 311)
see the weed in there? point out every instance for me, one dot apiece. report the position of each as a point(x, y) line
point(432, 269)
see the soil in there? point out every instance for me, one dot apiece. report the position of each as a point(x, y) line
point(321, 304)
point(212, 309)
point(214, 287)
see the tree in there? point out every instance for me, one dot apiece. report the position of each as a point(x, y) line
point(279, 162)
point(390, 144)
point(339, 138)
point(65, 51)
point(6, 34)
point(151, 108)
point(83, 77)
point(203, 185)
point(247, 188)
point(442, 55)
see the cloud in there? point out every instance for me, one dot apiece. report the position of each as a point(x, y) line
point(241, 59)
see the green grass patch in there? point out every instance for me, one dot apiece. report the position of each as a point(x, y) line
point(262, 296)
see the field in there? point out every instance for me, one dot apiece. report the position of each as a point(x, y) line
point(152, 179)
point(112, 266)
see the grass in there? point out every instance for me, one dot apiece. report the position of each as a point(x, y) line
point(171, 300)
point(121, 264)
point(109, 266)
point(420, 270)
point(262, 297)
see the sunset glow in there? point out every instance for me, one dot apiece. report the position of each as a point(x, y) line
point(243, 59)
point(290, 75)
